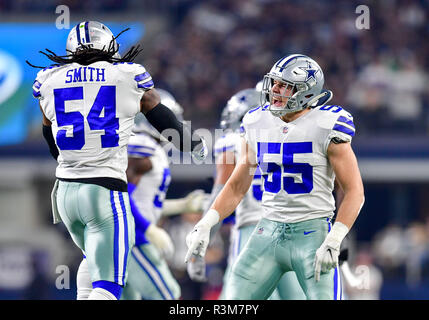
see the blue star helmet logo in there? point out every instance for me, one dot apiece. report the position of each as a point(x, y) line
point(310, 72)
point(243, 98)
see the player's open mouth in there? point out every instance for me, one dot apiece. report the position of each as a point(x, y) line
point(278, 102)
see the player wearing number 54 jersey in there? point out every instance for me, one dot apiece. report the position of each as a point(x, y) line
point(300, 148)
point(89, 100)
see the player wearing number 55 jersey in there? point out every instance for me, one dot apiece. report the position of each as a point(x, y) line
point(300, 148)
point(89, 100)
point(227, 151)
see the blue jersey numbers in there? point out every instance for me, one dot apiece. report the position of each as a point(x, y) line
point(97, 119)
point(162, 189)
point(282, 176)
point(256, 187)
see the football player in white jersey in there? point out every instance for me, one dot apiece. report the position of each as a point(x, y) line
point(301, 148)
point(149, 177)
point(89, 100)
point(227, 150)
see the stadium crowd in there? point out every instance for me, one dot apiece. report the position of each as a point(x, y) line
point(379, 74)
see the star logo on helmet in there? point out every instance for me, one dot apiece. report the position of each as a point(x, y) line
point(243, 98)
point(311, 73)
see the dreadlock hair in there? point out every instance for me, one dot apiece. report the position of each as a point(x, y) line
point(86, 55)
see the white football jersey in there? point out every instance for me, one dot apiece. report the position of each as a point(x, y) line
point(151, 190)
point(92, 110)
point(298, 178)
point(249, 211)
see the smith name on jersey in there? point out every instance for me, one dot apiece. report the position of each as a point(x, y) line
point(298, 178)
point(92, 110)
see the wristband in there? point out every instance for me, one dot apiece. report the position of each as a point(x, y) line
point(211, 218)
point(338, 232)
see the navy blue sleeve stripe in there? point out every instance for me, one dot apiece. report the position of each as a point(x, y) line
point(87, 32)
point(78, 33)
point(36, 94)
point(146, 85)
point(345, 120)
point(226, 148)
point(253, 110)
point(138, 153)
point(142, 76)
point(37, 84)
point(134, 146)
point(344, 129)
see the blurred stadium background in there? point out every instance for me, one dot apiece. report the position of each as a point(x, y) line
point(203, 52)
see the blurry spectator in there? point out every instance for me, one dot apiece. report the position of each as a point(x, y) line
point(417, 248)
point(369, 276)
point(408, 84)
point(389, 250)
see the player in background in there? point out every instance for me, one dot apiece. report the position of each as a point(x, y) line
point(149, 177)
point(89, 100)
point(300, 151)
point(227, 150)
point(349, 278)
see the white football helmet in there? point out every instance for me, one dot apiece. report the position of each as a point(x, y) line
point(258, 86)
point(303, 78)
point(237, 106)
point(91, 34)
point(143, 125)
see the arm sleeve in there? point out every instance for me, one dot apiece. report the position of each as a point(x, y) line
point(173, 206)
point(47, 134)
point(162, 118)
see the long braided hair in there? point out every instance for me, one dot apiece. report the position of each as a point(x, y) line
point(85, 55)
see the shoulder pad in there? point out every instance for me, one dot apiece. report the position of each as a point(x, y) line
point(253, 115)
point(226, 143)
point(338, 120)
point(141, 77)
point(141, 145)
point(41, 77)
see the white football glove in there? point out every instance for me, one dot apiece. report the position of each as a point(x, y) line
point(195, 200)
point(160, 239)
point(196, 268)
point(201, 151)
point(327, 255)
point(198, 239)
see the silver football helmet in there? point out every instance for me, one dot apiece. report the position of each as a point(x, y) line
point(92, 34)
point(143, 125)
point(237, 106)
point(304, 82)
